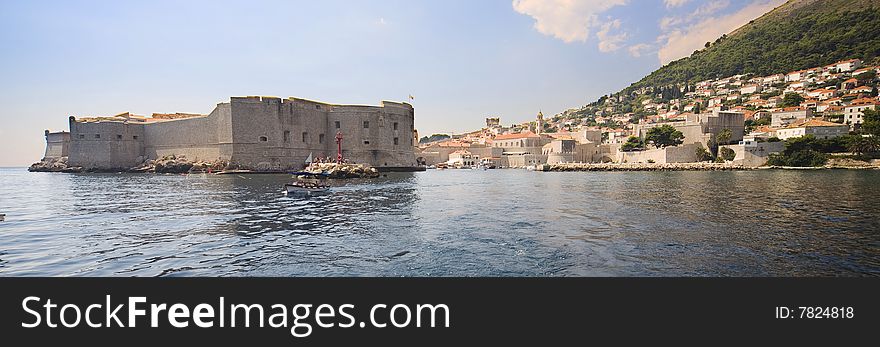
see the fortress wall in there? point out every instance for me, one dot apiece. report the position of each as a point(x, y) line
point(106, 145)
point(263, 133)
point(311, 128)
point(375, 145)
point(198, 138)
point(57, 144)
point(267, 133)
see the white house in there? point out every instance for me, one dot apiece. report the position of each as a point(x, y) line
point(853, 113)
point(816, 127)
point(848, 65)
point(789, 115)
point(750, 89)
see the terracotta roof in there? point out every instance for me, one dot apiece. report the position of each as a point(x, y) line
point(863, 102)
point(453, 143)
point(524, 135)
point(813, 122)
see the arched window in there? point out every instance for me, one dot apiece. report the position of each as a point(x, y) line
point(263, 139)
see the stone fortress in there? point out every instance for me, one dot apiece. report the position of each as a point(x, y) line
point(256, 133)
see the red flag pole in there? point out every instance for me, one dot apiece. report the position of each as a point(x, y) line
point(339, 147)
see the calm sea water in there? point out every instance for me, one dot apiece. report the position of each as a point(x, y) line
point(444, 223)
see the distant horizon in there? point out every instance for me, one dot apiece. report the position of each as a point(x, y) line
point(461, 61)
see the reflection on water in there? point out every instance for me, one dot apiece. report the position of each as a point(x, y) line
point(442, 223)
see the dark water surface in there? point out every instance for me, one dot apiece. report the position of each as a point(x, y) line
point(444, 223)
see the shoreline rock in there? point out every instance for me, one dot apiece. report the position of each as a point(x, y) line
point(53, 165)
point(642, 167)
point(342, 171)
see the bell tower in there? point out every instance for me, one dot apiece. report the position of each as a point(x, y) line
point(539, 125)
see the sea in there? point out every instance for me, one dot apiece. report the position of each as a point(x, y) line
point(463, 223)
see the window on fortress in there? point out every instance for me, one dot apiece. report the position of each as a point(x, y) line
point(338, 125)
point(119, 137)
point(366, 124)
point(395, 125)
point(305, 137)
point(395, 139)
point(97, 136)
point(366, 142)
point(135, 137)
point(263, 139)
point(82, 136)
point(287, 136)
point(320, 138)
point(317, 107)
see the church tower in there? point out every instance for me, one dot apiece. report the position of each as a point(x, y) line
point(539, 125)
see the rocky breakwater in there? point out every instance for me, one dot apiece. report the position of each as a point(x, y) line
point(179, 164)
point(849, 163)
point(344, 170)
point(53, 165)
point(643, 167)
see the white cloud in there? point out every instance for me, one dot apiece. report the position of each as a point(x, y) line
point(568, 20)
point(609, 42)
point(638, 49)
point(674, 3)
point(381, 22)
point(708, 9)
point(681, 42)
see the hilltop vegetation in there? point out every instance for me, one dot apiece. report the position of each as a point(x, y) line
point(797, 35)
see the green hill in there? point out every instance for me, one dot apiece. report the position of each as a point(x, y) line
point(797, 35)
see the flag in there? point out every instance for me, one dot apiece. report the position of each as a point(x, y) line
point(309, 159)
point(412, 97)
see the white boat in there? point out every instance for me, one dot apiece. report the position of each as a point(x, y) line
point(307, 183)
point(299, 188)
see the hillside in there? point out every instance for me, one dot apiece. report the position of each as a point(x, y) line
point(797, 35)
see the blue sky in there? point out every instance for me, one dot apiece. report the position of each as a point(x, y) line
point(461, 60)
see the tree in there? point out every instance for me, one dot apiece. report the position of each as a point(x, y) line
point(871, 122)
point(867, 76)
point(664, 135)
point(632, 144)
point(727, 153)
point(702, 154)
point(792, 99)
point(864, 145)
point(723, 137)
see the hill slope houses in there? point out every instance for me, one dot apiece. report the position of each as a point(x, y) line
point(796, 35)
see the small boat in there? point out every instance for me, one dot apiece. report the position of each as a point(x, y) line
point(2, 217)
point(307, 183)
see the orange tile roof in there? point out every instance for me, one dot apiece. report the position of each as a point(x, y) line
point(863, 102)
point(813, 122)
point(524, 135)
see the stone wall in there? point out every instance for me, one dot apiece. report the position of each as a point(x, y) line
point(198, 138)
point(57, 144)
point(755, 155)
point(677, 154)
point(263, 133)
point(281, 133)
point(106, 144)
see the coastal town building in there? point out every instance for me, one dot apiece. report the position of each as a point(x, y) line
point(816, 127)
point(259, 133)
point(784, 117)
point(854, 113)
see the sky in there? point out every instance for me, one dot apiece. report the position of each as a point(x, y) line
point(462, 61)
